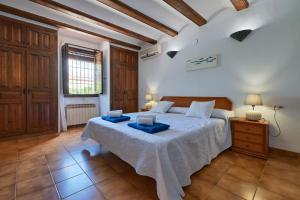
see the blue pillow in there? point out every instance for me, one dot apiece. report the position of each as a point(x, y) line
point(122, 118)
point(156, 127)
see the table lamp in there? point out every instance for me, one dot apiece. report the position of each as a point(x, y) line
point(253, 100)
point(148, 98)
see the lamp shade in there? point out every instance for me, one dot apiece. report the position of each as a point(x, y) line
point(253, 99)
point(241, 35)
point(148, 97)
point(171, 54)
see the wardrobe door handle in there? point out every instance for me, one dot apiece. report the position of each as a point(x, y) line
point(24, 91)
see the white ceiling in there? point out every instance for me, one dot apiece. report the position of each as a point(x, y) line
point(156, 9)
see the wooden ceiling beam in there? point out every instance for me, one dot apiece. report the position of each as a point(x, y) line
point(240, 4)
point(187, 11)
point(38, 18)
point(127, 10)
point(92, 19)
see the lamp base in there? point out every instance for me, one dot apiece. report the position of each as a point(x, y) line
point(253, 115)
point(148, 105)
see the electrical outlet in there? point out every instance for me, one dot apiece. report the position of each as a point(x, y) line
point(277, 107)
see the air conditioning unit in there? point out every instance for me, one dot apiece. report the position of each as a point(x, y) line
point(151, 52)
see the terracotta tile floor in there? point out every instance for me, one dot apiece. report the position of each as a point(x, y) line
point(53, 167)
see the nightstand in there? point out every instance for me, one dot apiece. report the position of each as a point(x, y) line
point(250, 137)
point(144, 109)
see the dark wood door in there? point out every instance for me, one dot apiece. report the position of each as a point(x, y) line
point(28, 78)
point(124, 79)
point(131, 84)
point(117, 80)
point(12, 90)
point(12, 32)
point(41, 92)
point(40, 38)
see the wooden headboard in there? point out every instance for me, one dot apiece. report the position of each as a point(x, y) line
point(221, 102)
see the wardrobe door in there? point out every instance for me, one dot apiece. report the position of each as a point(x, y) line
point(117, 71)
point(12, 32)
point(40, 38)
point(12, 88)
point(124, 79)
point(131, 82)
point(41, 92)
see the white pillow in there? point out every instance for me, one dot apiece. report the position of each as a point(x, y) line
point(162, 107)
point(222, 114)
point(201, 109)
point(180, 110)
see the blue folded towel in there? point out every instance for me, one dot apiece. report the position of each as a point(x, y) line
point(156, 127)
point(122, 118)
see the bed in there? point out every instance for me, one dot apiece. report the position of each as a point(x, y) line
point(170, 157)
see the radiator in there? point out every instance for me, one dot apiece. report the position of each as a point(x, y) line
point(78, 114)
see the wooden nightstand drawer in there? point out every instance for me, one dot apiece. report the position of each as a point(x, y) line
point(249, 128)
point(249, 137)
point(249, 146)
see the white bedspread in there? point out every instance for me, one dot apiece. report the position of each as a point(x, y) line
point(170, 157)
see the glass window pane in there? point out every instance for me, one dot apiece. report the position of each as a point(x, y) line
point(83, 74)
point(82, 77)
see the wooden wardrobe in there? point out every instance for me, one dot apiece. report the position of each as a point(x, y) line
point(28, 78)
point(124, 79)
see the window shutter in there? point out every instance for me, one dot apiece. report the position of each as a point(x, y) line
point(98, 73)
point(65, 68)
point(81, 71)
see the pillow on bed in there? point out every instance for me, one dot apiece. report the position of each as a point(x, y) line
point(180, 110)
point(162, 107)
point(222, 114)
point(201, 109)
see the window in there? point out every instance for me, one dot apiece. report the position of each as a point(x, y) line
point(82, 71)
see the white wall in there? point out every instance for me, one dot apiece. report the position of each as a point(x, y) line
point(266, 62)
point(71, 37)
point(67, 36)
point(105, 97)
